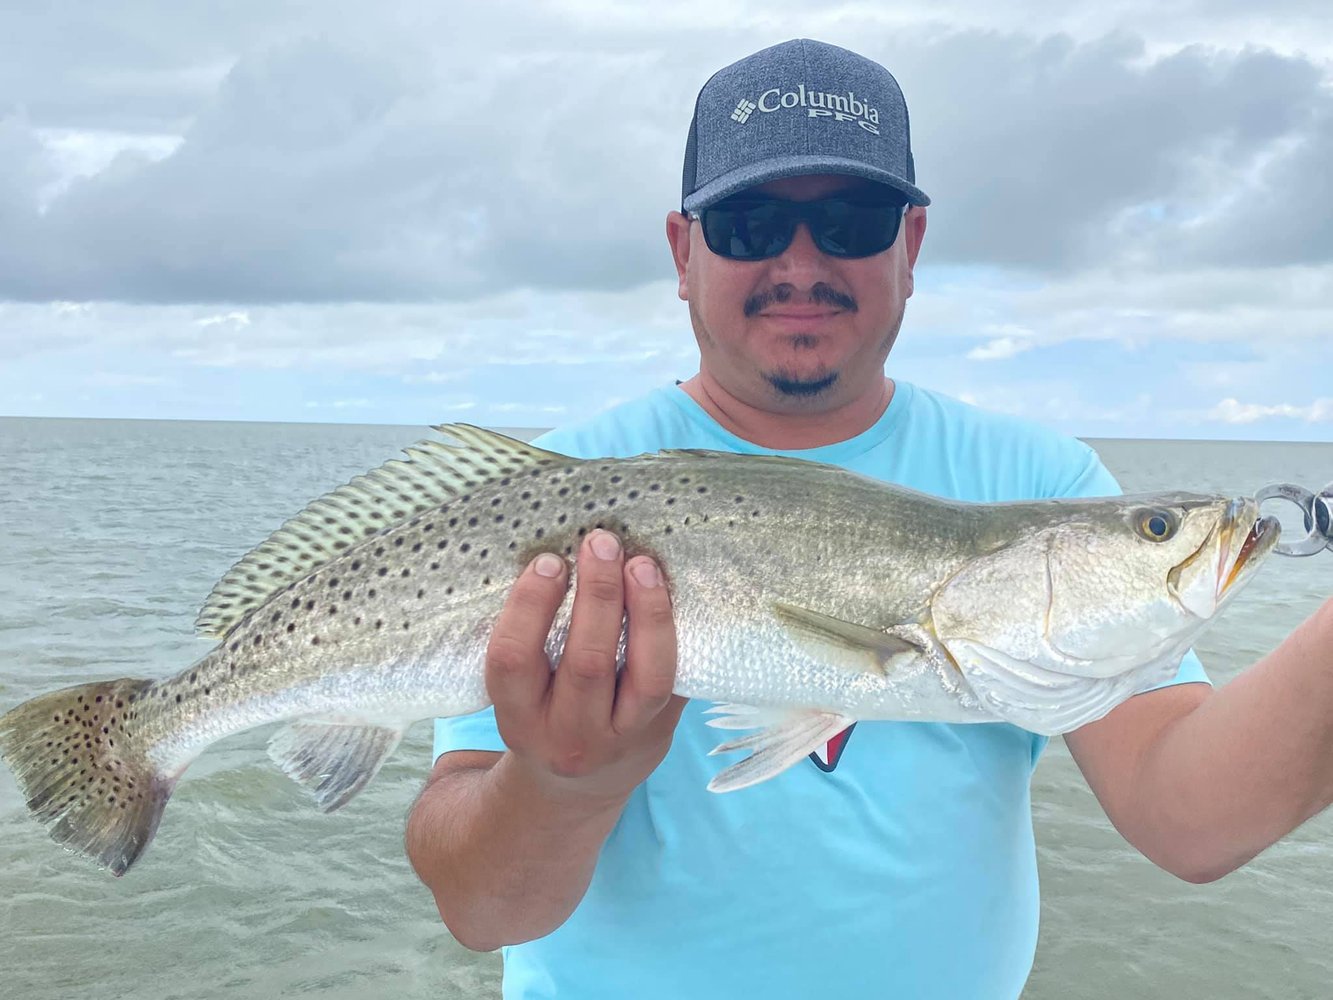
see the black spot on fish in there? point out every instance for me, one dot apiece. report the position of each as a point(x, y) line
point(314, 640)
point(465, 547)
point(347, 595)
point(472, 522)
point(291, 627)
point(382, 571)
point(442, 544)
point(398, 540)
point(406, 572)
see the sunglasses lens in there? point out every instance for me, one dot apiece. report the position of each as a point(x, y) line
point(747, 230)
point(754, 229)
point(855, 229)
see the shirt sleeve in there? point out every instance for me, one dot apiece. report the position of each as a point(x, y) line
point(467, 732)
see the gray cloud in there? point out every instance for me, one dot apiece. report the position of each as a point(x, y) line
point(405, 160)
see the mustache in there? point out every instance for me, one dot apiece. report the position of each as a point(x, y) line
point(820, 295)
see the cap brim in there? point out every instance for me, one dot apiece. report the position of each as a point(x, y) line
point(753, 174)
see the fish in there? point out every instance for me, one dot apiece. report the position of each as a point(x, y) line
point(806, 597)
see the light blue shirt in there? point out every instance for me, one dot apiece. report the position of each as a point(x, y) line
point(906, 871)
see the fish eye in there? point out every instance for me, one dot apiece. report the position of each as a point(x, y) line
point(1157, 525)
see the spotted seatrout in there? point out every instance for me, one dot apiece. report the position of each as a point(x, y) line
point(806, 597)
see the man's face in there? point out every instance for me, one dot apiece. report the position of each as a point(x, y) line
point(803, 331)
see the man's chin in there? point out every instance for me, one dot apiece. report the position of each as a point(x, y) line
point(790, 385)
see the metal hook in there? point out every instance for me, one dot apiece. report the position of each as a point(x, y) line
point(1317, 511)
point(1323, 514)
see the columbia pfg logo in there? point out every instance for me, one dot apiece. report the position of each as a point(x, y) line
point(840, 107)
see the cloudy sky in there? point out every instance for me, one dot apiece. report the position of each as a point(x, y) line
point(409, 211)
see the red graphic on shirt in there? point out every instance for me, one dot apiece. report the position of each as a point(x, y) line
point(826, 757)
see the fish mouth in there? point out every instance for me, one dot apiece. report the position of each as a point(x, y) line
point(1233, 549)
point(1257, 542)
point(1246, 538)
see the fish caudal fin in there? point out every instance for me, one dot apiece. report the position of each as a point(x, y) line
point(84, 774)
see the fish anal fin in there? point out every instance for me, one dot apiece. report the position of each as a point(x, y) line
point(788, 737)
point(333, 760)
point(858, 648)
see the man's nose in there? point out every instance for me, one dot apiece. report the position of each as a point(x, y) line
point(802, 264)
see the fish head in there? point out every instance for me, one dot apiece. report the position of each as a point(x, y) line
point(1097, 588)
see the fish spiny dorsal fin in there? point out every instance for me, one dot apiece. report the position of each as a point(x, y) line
point(433, 473)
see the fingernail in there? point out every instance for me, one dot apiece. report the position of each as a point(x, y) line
point(548, 565)
point(605, 545)
point(646, 573)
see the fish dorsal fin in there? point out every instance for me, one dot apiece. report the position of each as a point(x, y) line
point(432, 474)
point(858, 648)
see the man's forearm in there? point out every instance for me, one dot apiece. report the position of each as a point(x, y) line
point(1248, 765)
point(505, 862)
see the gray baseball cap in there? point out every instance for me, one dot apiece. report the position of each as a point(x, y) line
point(802, 107)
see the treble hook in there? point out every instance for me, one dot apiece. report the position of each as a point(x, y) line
point(1316, 508)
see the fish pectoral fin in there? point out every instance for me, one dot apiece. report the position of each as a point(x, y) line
point(1033, 697)
point(788, 736)
point(854, 647)
point(333, 760)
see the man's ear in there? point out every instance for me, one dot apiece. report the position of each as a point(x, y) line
point(914, 225)
point(678, 236)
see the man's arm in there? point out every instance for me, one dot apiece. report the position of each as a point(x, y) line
point(1201, 781)
point(507, 842)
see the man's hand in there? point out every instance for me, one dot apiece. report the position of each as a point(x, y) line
point(582, 731)
point(507, 843)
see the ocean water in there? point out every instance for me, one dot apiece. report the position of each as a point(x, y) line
point(113, 532)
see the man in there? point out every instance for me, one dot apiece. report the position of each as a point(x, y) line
point(572, 824)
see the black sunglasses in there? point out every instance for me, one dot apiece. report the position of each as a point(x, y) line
point(752, 227)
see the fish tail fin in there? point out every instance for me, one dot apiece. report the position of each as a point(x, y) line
point(84, 770)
